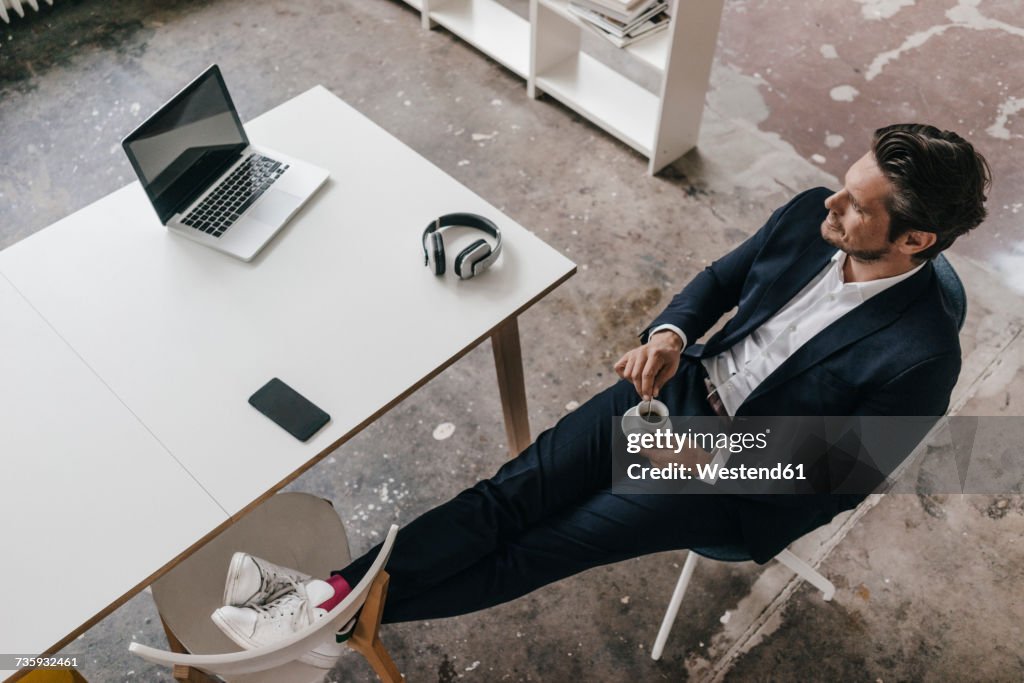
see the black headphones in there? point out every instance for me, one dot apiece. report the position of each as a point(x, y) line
point(471, 261)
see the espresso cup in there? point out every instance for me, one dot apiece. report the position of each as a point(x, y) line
point(645, 417)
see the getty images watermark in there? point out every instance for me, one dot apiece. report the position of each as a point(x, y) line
point(814, 455)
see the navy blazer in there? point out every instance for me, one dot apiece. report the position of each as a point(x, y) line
point(896, 354)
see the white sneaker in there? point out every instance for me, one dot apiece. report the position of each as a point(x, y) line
point(253, 581)
point(262, 625)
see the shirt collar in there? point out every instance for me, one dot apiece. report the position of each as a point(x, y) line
point(871, 287)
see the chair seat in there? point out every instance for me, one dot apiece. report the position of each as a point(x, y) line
point(296, 530)
point(724, 553)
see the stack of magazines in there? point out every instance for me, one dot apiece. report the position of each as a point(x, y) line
point(622, 21)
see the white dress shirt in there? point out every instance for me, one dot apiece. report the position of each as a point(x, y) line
point(738, 370)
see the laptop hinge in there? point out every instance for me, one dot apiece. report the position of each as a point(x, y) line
point(206, 182)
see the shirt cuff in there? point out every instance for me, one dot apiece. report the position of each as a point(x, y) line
point(671, 327)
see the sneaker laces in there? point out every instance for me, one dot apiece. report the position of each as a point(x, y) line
point(270, 580)
point(302, 611)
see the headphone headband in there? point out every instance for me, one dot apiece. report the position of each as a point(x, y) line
point(487, 254)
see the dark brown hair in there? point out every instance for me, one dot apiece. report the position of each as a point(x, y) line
point(938, 182)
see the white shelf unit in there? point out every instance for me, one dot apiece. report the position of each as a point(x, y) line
point(495, 30)
point(653, 49)
point(662, 126)
point(617, 104)
point(546, 51)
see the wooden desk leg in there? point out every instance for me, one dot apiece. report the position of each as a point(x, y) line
point(366, 638)
point(508, 361)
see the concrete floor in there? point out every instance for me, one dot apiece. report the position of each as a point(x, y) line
point(929, 589)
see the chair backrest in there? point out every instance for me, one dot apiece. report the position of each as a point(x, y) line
point(288, 649)
point(952, 289)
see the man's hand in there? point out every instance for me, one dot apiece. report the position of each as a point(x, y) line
point(649, 366)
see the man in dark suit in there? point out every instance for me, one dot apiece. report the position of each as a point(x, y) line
point(838, 312)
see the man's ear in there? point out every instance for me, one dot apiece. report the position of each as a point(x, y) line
point(915, 241)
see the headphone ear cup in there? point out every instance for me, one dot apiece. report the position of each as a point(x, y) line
point(478, 249)
point(484, 253)
point(438, 253)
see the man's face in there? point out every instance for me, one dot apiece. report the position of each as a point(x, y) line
point(857, 220)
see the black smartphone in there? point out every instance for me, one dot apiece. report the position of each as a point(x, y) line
point(289, 409)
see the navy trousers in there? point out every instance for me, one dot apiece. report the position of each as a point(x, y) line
point(547, 514)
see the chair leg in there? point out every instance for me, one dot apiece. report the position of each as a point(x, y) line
point(187, 674)
point(172, 640)
point(184, 674)
point(807, 573)
point(52, 676)
point(366, 638)
point(673, 605)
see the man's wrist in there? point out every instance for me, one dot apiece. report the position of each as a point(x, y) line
point(667, 336)
point(668, 327)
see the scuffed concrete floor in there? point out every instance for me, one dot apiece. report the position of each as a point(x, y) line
point(928, 590)
point(831, 72)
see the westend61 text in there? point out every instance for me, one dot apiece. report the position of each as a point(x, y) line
point(713, 472)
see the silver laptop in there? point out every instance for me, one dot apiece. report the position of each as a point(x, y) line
point(206, 181)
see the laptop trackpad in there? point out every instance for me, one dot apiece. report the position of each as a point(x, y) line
point(274, 207)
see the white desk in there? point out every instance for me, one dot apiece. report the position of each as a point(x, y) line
point(85, 488)
point(339, 306)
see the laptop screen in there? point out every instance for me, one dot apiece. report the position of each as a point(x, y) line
point(185, 146)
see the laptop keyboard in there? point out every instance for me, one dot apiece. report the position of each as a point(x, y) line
point(234, 194)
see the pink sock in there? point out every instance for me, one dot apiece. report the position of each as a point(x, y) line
point(341, 590)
